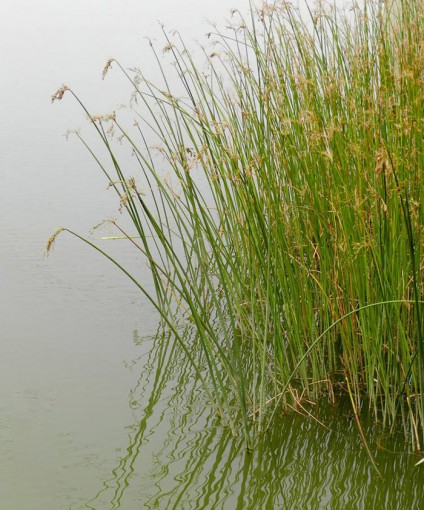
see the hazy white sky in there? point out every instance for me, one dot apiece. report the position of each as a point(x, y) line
point(45, 43)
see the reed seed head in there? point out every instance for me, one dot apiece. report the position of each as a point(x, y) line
point(107, 66)
point(52, 239)
point(58, 95)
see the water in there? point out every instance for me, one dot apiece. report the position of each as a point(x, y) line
point(87, 418)
point(177, 456)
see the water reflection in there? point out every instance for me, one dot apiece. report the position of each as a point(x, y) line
point(179, 457)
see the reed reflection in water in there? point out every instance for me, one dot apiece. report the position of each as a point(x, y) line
point(179, 456)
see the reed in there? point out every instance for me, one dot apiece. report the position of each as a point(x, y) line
point(283, 217)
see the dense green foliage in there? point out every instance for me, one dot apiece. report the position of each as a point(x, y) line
point(288, 229)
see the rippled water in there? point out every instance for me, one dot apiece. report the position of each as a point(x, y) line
point(94, 413)
point(177, 456)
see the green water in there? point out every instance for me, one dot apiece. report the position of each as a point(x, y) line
point(177, 456)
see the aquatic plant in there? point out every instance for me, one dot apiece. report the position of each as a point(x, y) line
point(281, 214)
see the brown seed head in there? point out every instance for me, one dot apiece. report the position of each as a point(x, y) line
point(59, 94)
point(107, 66)
point(52, 239)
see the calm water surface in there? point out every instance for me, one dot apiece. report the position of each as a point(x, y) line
point(94, 413)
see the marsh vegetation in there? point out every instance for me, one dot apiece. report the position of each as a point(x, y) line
point(279, 209)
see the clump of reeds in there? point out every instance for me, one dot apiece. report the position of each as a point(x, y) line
point(284, 214)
